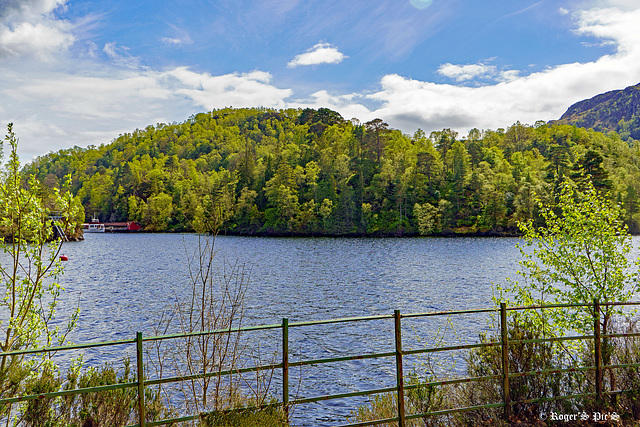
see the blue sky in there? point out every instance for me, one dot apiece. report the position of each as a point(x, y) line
point(83, 72)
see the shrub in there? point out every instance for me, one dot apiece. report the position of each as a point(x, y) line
point(523, 357)
point(40, 412)
point(118, 407)
point(627, 351)
point(420, 399)
point(215, 302)
point(272, 416)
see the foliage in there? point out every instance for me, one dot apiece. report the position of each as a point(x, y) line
point(312, 172)
point(246, 417)
point(549, 386)
point(380, 407)
point(118, 407)
point(29, 272)
point(578, 256)
point(523, 357)
point(421, 397)
point(627, 352)
point(428, 217)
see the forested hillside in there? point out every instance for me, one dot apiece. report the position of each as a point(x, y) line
point(291, 172)
point(617, 110)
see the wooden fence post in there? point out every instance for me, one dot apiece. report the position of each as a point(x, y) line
point(399, 371)
point(140, 363)
point(506, 398)
point(597, 348)
point(285, 366)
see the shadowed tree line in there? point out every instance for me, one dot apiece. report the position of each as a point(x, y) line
point(311, 172)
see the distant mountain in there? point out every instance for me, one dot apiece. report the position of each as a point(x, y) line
point(618, 110)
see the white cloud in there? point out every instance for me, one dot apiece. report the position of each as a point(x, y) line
point(614, 26)
point(171, 41)
point(410, 104)
point(110, 50)
point(349, 105)
point(321, 53)
point(92, 98)
point(59, 104)
point(628, 5)
point(182, 37)
point(120, 55)
point(28, 38)
point(28, 9)
point(29, 28)
point(466, 72)
point(53, 109)
point(509, 75)
point(252, 89)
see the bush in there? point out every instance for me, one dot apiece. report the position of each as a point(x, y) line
point(526, 357)
point(627, 379)
point(118, 407)
point(40, 412)
point(420, 399)
point(215, 302)
point(523, 357)
point(272, 416)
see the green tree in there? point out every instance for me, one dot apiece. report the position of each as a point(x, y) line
point(30, 275)
point(428, 217)
point(376, 131)
point(458, 165)
point(217, 154)
point(579, 255)
point(589, 167)
point(443, 140)
point(159, 210)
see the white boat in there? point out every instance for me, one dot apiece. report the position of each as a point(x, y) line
point(93, 227)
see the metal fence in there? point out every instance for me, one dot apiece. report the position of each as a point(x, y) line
point(400, 389)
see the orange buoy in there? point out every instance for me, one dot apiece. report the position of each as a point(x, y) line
point(64, 258)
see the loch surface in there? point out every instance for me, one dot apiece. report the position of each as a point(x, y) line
point(122, 282)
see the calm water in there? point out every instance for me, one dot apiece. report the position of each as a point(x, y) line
point(122, 282)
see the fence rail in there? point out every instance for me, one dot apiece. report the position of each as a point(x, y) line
point(400, 388)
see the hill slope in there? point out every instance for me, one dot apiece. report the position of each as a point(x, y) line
point(310, 172)
point(618, 110)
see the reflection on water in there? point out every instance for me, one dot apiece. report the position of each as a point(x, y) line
point(123, 281)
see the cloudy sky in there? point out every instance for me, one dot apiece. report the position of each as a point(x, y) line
point(83, 72)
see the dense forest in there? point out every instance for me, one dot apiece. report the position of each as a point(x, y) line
point(311, 172)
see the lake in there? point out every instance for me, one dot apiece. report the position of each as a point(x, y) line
point(122, 282)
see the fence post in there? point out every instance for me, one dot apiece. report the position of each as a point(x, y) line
point(285, 366)
point(506, 398)
point(597, 348)
point(399, 372)
point(140, 363)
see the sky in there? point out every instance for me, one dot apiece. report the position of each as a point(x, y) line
point(80, 73)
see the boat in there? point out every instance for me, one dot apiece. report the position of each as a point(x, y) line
point(95, 226)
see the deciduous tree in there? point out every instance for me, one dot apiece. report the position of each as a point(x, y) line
point(29, 273)
point(580, 254)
